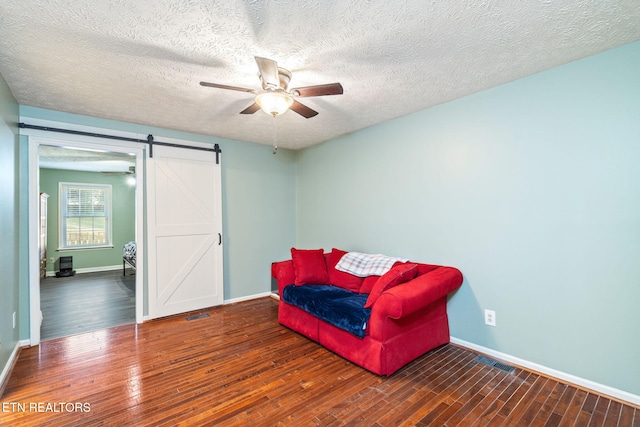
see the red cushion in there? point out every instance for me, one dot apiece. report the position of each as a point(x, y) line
point(397, 275)
point(340, 278)
point(368, 283)
point(309, 267)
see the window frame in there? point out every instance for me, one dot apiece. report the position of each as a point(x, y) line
point(63, 188)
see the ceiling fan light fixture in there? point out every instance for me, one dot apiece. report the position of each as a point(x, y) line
point(274, 103)
point(275, 97)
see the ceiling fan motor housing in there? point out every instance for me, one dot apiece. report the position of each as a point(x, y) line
point(284, 77)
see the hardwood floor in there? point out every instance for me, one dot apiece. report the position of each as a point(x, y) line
point(86, 302)
point(239, 367)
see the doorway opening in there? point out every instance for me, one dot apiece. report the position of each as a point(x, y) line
point(99, 295)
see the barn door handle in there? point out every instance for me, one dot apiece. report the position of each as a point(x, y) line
point(219, 239)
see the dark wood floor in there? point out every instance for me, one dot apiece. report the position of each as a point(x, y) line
point(86, 302)
point(239, 367)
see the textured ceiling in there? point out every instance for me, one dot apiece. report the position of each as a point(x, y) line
point(141, 61)
point(84, 160)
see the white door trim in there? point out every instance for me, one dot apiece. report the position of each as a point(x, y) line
point(37, 138)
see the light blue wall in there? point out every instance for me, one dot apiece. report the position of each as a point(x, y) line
point(8, 222)
point(532, 189)
point(529, 188)
point(258, 199)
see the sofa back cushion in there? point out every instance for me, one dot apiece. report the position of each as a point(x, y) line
point(368, 283)
point(309, 267)
point(399, 274)
point(340, 278)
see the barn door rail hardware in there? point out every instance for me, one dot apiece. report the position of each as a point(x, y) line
point(149, 141)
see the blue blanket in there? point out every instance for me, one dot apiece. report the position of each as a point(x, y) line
point(339, 307)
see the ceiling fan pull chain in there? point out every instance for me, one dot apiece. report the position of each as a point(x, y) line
point(275, 135)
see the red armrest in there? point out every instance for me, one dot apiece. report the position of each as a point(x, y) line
point(283, 272)
point(418, 293)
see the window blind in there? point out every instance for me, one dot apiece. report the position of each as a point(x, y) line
point(85, 215)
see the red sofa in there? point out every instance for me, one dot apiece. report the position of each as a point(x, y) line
point(406, 320)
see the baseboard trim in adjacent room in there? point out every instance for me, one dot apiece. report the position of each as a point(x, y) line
point(614, 393)
point(90, 270)
point(247, 298)
point(8, 368)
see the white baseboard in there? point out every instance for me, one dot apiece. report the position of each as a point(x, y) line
point(230, 301)
point(618, 394)
point(90, 269)
point(249, 297)
point(8, 367)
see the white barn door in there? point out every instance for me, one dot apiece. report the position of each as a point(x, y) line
point(184, 211)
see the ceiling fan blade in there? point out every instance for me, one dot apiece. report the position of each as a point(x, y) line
point(219, 86)
point(303, 110)
point(319, 90)
point(251, 109)
point(268, 72)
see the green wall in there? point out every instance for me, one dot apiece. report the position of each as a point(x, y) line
point(9, 290)
point(123, 214)
point(530, 188)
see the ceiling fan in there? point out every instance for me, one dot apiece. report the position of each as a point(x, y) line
point(275, 97)
point(130, 171)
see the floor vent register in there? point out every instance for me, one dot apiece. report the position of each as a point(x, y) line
point(495, 364)
point(197, 316)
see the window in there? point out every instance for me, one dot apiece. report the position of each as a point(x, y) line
point(85, 215)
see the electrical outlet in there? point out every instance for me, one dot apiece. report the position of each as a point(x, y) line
point(52, 260)
point(14, 320)
point(490, 317)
